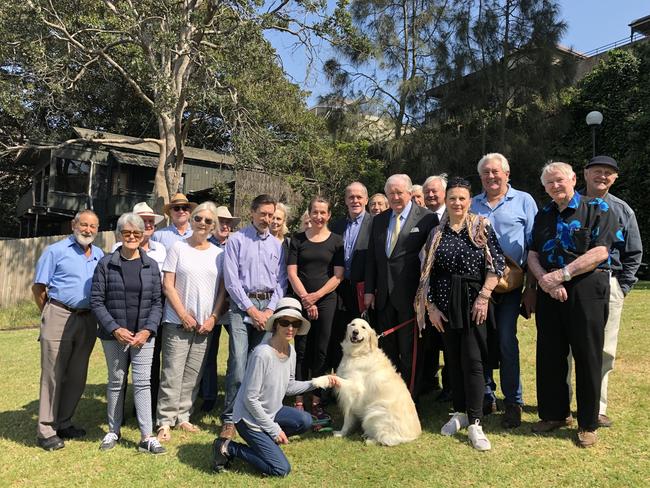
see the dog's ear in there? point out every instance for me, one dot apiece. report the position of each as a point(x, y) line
point(372, 339)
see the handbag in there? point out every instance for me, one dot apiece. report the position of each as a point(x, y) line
point(512, 278)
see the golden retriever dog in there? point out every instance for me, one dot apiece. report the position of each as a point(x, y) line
point(372, 393)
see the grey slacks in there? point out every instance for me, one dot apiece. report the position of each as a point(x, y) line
point(67, 340)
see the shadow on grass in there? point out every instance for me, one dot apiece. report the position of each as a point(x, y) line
point(20, 425)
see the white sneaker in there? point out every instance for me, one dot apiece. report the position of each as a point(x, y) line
point(457, 421)
point(109, 441)
point(477, 437)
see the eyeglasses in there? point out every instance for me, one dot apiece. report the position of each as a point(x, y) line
point(178, 208)
point(296, 324)
point(198, 219)
point(128, 233)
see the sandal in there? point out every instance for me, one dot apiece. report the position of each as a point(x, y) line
point(164, 433)
point(188, 427)
point(320, 416)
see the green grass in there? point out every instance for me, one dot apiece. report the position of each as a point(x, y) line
point(25, 314)
point(518, 458)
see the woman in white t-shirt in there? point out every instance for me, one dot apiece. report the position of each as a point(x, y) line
point(193, 285)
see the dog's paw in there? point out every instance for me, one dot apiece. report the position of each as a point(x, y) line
point(321, 382)
point(338, 433)
point(371, 442)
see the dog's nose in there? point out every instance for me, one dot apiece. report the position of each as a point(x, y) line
point(355, 332)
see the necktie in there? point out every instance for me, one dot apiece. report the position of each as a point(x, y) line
point(394, 236)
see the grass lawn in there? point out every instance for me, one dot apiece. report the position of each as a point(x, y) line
point(518, 458)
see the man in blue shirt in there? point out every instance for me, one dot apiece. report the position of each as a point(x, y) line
point(179, 210)
point(255, 276)
point(61, 290)
point(512, 214)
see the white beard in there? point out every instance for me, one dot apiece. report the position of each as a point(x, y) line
point(83, 240)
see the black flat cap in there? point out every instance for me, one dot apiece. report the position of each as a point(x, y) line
point(602, 161)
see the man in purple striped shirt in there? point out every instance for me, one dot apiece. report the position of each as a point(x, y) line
point(255, 276)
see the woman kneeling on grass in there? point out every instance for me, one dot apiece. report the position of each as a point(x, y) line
point(261, 419)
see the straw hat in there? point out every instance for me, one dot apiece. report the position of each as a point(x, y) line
point(224, 213)
point(288, 307)
point(144, 210)
point(179, 199)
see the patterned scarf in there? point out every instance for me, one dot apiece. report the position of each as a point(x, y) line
point(477, 228)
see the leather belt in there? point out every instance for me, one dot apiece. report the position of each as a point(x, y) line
point(69, 309)
point(260, 295)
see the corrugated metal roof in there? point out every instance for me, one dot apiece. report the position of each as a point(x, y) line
point(152, 148)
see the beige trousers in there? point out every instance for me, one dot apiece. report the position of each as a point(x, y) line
point(67, 340)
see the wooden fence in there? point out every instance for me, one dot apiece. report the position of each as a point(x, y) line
point(18, 259)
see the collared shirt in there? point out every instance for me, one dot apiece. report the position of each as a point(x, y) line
point(561, 237)
point(213, 240)
point(170, 234)
point(626, 254)
point(156, 251)
point(440, 212)
point(350, 236)
point(254, 262)
point(67, 273)
point(512, 219)
point(391, 224)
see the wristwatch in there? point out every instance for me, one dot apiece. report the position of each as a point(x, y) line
point(566, 276)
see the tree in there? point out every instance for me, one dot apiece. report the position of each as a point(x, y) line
point(182, 59)
point(394, 61)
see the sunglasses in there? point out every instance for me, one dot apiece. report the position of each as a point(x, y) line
point(296, 324)
point(178, 208)
point(198, 219)
point(128, 233)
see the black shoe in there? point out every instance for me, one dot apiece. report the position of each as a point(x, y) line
point(71, 433)
point(53, 443)
point(512, 418)
point(445, 396)
point(489, 406)
point(220, 461)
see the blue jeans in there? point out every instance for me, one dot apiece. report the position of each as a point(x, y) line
point(243, 339)
point(262, 451)
point(506, 312)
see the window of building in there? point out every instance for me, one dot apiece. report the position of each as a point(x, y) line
point(71, 175)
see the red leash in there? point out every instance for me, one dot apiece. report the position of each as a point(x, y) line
point(415, 346)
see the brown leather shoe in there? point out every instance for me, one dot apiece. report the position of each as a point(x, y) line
point(549, 425)
point(604, 421)
point(587, 438)
point(512, 416)
point(228, 431)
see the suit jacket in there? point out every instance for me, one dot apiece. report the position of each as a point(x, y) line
point(358, 265)
point(396, 277)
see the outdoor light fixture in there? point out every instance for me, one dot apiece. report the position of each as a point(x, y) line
point(594, 119)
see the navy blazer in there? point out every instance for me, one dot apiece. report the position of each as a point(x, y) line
point(396, 278)
point(358, 265)
point(108, 296)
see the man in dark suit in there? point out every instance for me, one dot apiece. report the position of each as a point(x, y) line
point(355, 230)
point(393, 270)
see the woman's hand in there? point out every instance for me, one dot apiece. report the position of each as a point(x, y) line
point(282, 438)
point(123, 336)
point(189, 322)
point(335, 381)
point(207, 326)
point(479, 310)
point(436, 317)
point(312, 312)
point(140, 338)
point(309, 299)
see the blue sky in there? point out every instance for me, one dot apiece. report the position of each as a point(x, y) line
point(591, 24)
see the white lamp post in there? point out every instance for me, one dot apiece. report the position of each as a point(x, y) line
point(594, 119)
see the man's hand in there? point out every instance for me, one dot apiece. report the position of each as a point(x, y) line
point(551, 280)
point(559, 293)
point(140, 338)
point(124, 336)
point(369, 300)
point(529, 300)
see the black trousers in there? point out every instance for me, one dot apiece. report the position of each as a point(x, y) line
point(311, 350)
point(578, 323)
point(398, 346)
point(466, 357)
point(433, 345)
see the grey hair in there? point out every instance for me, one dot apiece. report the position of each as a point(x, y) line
point(206, 206)
point(505, 166)
point(442, 178)
point(415, 188)
point(402, 178)
point(78, 215)
point(132, 219)
point(357, 183)
point(563, 168)
point(380, 195)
